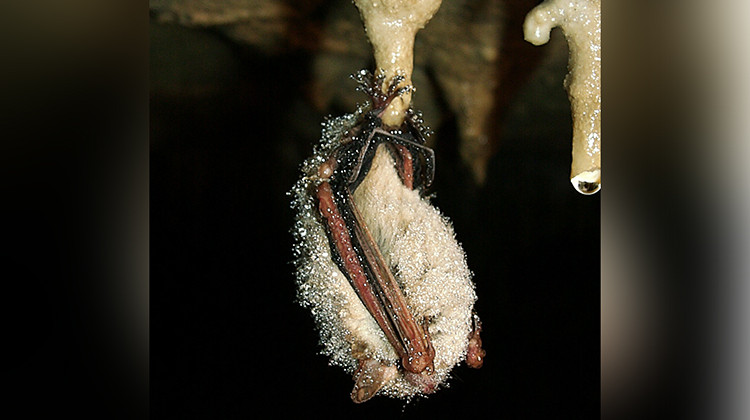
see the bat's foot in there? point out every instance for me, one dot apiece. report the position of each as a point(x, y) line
point(373, 86)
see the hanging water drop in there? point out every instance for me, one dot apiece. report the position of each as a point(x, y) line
point(588, 182)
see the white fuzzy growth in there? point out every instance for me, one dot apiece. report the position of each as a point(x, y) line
point(418, 244)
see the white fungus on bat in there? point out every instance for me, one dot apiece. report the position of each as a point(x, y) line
point(417, 243)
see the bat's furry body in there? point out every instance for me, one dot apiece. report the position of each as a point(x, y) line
point(417, 243)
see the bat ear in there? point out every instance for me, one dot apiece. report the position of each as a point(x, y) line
point(370, 378)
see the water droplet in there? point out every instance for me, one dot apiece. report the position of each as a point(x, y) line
point(588, 182)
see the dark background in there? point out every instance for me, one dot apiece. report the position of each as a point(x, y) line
point(228, 339)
